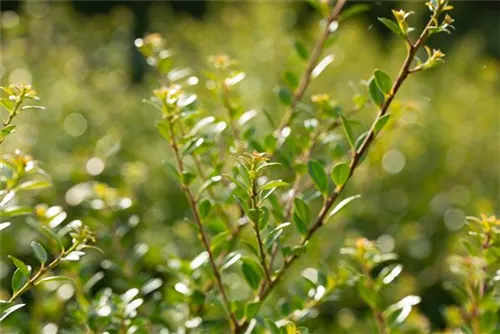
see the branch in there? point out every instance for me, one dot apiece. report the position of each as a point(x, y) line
point(313, 61)
point(202, 235)
point(43, 269)
point(357, 155)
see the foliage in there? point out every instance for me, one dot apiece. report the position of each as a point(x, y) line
point(256, 192)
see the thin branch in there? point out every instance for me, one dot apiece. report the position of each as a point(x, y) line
point(313, 61)
point(43, 269)
point(357, 155)
point(196, 215)
point(262, 253)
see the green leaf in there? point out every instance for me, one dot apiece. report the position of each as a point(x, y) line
point(4, 305)
point(302, 209)
point(54, 279)
point(301, 49)
point(25, 269)
point(252, 309)
point(163, 129)
point(219, 241)
point(39, 252)
point(15, 210)
point(384, 81)
point(300, 224)
point(340, 173)
point(393, 26)
point(318, 175)
point(53, 235)
point(375, 93)
point(187, 178)
point(360, 140)
point(7, 130)
point(18, 280)
point(10, 310)
point(273, 184)
point(285, 96)
point(342, 205)
point(274, 235)
point(238, 183)
point(252, 272)
point(263, 218)
point(204, 208)
point(192, 145)
point(272, 327)
point(369, 296)
point(208, 183)
point(353, 10)
point(291, 79)
point(380, 123)
point(173, 170)
point(347, 130)
point(33, 185)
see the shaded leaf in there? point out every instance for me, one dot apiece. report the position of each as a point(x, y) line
point(383, 81)
point(25, 269)
point(39, 252)
point(252, 272)
point(318, 175)
point(301, 49)
point(375, 93)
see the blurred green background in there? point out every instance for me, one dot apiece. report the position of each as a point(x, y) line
point(438, 163)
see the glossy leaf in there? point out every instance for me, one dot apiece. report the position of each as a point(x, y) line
point(25, 269)
point(204, 208)
point(273, 184)
point(340, 173)
point(10, 310)
point(393, 26)
point(18, 280)
point(54, 279)
point(381, 122)
point(383, 81)
point(252, 272)
point(39, 252)
point(318, 176)
point(376, 94)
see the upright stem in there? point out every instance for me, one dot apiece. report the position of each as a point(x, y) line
point(357, 155)
point(262, 253)
point(202, 235)
point(313, 61)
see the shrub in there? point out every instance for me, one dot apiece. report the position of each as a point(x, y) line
point(257, 197)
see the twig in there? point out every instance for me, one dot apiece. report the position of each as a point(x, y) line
point(357, 155)
point(262, 253)
point(43, 269)
point(194, 208)
point(313, 61)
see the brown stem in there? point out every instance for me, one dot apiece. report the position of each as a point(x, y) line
point(313, 61)
point(202, 235)
point(357, 155)
point(43, 269)
point(262, 253)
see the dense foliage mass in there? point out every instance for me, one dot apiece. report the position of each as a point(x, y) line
point(250, 186)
